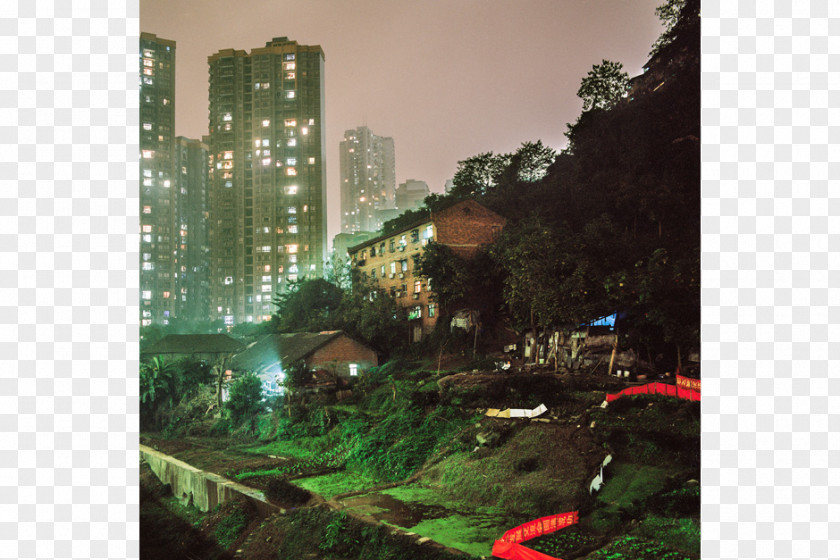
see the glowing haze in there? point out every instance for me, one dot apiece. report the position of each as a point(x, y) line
point(447, 79)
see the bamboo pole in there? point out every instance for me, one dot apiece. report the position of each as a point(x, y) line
point(612, 356)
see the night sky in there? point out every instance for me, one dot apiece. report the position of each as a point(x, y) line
point(447, 79)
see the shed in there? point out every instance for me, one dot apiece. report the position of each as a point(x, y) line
point(208, 347)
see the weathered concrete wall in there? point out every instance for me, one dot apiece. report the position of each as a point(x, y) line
point(204, 490)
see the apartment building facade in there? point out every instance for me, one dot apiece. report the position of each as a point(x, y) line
point(267, 218)
point(158, 194)
point(368, 179)
point(386, 264)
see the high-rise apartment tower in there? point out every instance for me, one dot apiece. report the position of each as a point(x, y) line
point(267, 177)
point(368, 179)
point(158, 195)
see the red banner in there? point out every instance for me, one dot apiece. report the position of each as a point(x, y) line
point(509, 548)
point(661, 389)
point(513, 551)
point(541, 526)
point(688, 383)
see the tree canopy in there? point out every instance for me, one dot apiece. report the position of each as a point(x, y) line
point(604, 86)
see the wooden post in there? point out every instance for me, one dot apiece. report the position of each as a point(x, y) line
point(475, 340)
point(612, 356)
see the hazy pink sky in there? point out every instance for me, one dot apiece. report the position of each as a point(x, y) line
point(446, 79)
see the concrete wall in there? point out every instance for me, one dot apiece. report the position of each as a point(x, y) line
point(201, 489)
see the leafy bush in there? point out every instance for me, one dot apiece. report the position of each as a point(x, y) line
point(230, 527)
point(244, 401)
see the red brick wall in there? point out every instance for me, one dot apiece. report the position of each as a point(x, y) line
point(466, 226)
point(343, 350)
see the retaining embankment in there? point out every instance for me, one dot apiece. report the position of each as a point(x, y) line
point(201, 489)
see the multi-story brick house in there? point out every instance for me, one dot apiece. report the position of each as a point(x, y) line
point(386, 263)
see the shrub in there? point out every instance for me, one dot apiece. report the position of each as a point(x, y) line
point(245, 400)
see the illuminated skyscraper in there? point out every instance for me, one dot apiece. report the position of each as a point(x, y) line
point(158, 199)
point(267, 177)
point(368, 179)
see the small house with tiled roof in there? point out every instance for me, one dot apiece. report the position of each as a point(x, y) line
point(208, 347)
point(331, 351)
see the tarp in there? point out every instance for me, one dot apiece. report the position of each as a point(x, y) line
point(515, 412)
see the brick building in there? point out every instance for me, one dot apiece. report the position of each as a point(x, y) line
point(332, 351)
point(386, 263)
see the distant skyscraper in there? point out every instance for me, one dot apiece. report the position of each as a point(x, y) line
point(267, 178)
point(410, 195)
point(193, 250)
point(368, 179)
point(158, 195)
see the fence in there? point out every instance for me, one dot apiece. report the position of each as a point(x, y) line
point(686, 388)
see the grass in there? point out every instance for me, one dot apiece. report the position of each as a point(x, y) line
point(680, 534)
point(627, 483)
point(471, 534)
point(333, 484)
point(635, 548)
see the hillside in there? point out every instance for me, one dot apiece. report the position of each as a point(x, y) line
point(413, 449)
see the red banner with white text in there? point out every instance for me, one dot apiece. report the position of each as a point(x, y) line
point(682, 391)
point(509, 548)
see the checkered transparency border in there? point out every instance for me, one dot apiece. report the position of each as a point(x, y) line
point(771, 247)
point(68, 237)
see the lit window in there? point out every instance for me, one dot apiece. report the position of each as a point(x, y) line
point(147, 229)
point(292, 248)
point(266, 161)
point(290, 75)
point(266, 278)
point(292, 258)
point(147, 238)
point(148, 154)
point(289, 56)
point(228, 319)
point(431, 310)
point(293, 268)
point(266, 122)
point(291, 171)
point(257, 142)
point(304, 131)
point(394, 267)
point(147, 173)
point(293, 229)
point(167, 183)
point(292, 277)
point(290, 189)
point(148, 182)
point(165, 295)
point(289, 66)
point(291, 122)
point(290, 95)
point(291, 142)
point(147, 209)
point(148, 266)
point(311, 122)
point(227, 117)
point(228, 280)
point(266, 85)
point(311, 161)
point(266, 287)
point(147, 126)
point(147, 294)
point(265, 142)
point(227, 155)
point(291, 161)
point(257, 85)
point(165, 101)
point(354, 370)
point(418, 286)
